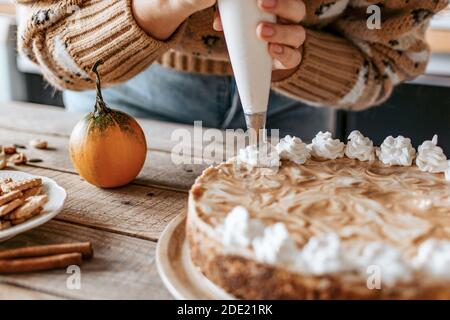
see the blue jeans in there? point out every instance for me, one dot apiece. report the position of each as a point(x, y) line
point(164, 94)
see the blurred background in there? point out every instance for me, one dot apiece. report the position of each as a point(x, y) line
point(417, 109)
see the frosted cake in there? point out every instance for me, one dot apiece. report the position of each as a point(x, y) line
point(331, 221)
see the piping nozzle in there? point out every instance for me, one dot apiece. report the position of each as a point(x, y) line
point(256, 126)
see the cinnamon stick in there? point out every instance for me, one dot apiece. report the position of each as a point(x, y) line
point(39, 264)
point(84, 248)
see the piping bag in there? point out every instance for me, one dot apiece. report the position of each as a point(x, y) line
point(250, 59)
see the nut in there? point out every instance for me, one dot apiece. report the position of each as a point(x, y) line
point(39, 143)
point(3, 162)
point(18, 158)
point(9, 149)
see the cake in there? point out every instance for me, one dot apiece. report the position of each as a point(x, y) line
point(332, 221)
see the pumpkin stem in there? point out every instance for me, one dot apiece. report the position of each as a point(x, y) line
point(100, 105)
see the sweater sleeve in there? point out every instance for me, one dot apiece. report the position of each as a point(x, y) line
point(347, 65)
point(65, 38)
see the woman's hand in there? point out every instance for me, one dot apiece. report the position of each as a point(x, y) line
point(285, 38)
point(160, 18)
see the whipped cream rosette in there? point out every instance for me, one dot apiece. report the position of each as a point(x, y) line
point(293, 149)
point(238, 229)
point(388, 259)
point(324, 146)
point(430, 157)
point(396, 151)
point(323, 254)
point(275, 246)
point(359, 147)
point(433, 256)
point(265, 156)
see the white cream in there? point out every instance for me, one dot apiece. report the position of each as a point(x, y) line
point(275, 246)
point(264, 156)
point(430, 157)
point(324, 146)
point(238, 229)
point(433, 256)
point(359, 147)
point(396, 151)
point(323, 254)
point(293, 149)
point(392, 266)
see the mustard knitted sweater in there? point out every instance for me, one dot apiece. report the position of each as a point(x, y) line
point(345, 63)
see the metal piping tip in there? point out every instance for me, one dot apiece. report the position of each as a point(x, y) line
point(256, 125)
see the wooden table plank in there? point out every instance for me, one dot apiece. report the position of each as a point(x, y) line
point(122, 268)
point(11, 292)
point(137, 211)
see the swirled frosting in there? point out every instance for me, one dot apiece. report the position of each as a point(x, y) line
point(430, 157)
point(359, 147)
point(324, 146)
point(293, 149)
point(396, 151)
point(264, 156)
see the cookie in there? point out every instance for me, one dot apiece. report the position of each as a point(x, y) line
point(22, 220)
point(4, 224)
point(17, 221)
point(21, 185)
point(32, 192)
point(8, 197)
point(28, 208)
point(10, 207)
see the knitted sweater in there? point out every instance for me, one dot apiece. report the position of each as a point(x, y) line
point(345, 64)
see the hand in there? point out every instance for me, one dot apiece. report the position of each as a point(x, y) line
point(160, 18)
point(285, 38)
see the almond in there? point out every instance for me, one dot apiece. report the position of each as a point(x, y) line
point(39, 143)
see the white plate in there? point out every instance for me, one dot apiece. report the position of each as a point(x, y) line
point(183, 280)
point(56, 198)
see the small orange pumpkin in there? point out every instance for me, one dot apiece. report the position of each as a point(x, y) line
point(107, 147)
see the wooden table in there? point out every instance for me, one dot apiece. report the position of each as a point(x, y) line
point(123, 224)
